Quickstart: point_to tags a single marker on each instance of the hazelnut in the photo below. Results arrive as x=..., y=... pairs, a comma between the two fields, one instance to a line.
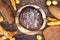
x=39, y=37
x=17, y=1
x=48, y=3
x=54, y=2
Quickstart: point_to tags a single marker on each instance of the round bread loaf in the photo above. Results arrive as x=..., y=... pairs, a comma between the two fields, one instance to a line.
x=55, y=11
x=52, y=33
x=31, y=18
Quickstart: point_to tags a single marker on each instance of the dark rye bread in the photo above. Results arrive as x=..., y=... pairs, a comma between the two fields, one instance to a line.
x=31, y=18
x=52, y=33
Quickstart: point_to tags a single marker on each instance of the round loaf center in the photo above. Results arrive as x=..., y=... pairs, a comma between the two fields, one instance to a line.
x=30, y=18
